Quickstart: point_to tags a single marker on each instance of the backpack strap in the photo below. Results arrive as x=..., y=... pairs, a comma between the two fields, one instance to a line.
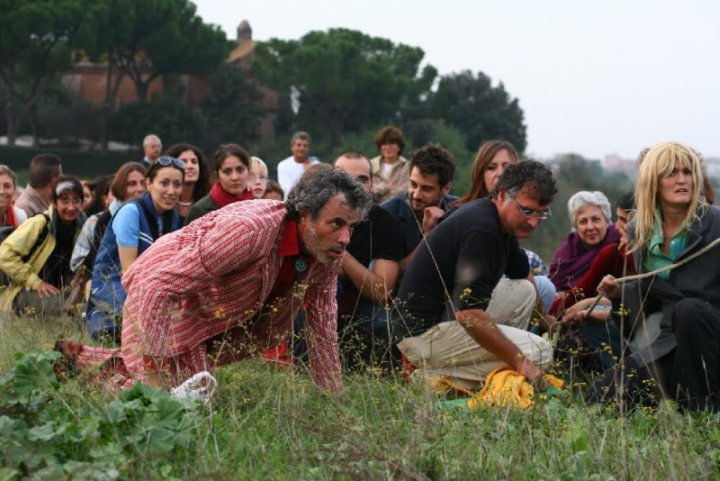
x=151, y=220
x=100, y=227
x=41, y=238
x=168, y=221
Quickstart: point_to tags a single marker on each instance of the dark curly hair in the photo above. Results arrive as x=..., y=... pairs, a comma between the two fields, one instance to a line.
x=529, y=174
x=432, y=159
x=313, y=191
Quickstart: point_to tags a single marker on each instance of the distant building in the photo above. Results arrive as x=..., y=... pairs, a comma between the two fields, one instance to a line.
x=713, y=167
x=89, y=80
x=615, y=163
x=242, y=56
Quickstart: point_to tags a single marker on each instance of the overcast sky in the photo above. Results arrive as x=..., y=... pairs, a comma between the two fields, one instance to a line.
x=594, y=78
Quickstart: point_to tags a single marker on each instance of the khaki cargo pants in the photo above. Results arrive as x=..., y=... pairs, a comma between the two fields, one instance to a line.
x=447, y=350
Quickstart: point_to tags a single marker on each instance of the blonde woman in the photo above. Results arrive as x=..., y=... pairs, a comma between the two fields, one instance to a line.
x=678, y=342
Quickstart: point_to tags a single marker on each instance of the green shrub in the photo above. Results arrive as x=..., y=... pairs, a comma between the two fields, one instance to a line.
x=81, y=163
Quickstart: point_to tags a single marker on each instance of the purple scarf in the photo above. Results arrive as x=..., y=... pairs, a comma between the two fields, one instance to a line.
x=573, y=258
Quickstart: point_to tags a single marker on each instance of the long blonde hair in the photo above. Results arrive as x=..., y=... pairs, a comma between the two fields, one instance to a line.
x=658, y=162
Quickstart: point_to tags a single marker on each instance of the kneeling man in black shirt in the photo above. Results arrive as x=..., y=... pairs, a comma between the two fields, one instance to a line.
x=458, y=316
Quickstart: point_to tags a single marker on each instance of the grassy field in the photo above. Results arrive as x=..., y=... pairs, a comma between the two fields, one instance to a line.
x=267, y=424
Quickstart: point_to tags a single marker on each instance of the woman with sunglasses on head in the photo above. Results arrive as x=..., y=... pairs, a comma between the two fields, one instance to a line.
x=197, y=176
x=232, y=167
x=133, y=229
x=35, y=258
x=127, y=184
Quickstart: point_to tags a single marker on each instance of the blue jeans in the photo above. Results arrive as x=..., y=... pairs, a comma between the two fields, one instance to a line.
x=546, y=291
x=604, y=339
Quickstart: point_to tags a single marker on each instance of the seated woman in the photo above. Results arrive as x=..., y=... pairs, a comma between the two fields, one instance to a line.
x=133, y=229
x=197, y=176
x=592, y=339
x=35, y=258
x=592, y=230
x=490, y=162
x=670, y=242
x=127, y=184
x=10, y=216
x=612, y=259
x=232, y=167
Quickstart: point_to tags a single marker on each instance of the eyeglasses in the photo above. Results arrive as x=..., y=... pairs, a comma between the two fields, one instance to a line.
x=527, y=212
x=166, y=161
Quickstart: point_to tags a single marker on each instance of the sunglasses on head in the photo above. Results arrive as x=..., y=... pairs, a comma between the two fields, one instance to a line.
x=166, y=161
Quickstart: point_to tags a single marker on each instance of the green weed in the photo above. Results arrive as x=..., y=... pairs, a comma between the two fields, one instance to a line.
x=269, y=424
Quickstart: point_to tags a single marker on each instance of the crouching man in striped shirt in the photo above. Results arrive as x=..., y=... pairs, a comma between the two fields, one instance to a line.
x=227, y=287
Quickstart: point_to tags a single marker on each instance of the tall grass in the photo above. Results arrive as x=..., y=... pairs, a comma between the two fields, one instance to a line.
x=269, y=424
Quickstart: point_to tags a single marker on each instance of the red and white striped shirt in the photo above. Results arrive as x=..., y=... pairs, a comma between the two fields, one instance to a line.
x=214, y=275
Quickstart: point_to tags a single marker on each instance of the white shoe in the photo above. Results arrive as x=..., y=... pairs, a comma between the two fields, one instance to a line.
x=201, y=386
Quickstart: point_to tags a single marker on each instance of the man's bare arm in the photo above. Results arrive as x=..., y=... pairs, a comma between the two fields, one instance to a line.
x=377, y=283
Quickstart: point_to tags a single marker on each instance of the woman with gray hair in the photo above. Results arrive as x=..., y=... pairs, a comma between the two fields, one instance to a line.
x=592, y=230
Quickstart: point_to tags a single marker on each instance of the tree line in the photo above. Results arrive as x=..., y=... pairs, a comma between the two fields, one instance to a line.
x=338, y=84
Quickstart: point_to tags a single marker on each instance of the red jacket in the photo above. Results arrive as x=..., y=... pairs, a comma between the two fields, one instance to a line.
x=610, y=260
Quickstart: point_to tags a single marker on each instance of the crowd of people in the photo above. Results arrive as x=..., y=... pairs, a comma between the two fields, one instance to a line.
x=176, y=266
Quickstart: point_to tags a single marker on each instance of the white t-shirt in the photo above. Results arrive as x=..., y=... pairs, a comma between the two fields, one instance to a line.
x=289, y=172
x=20, y=215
